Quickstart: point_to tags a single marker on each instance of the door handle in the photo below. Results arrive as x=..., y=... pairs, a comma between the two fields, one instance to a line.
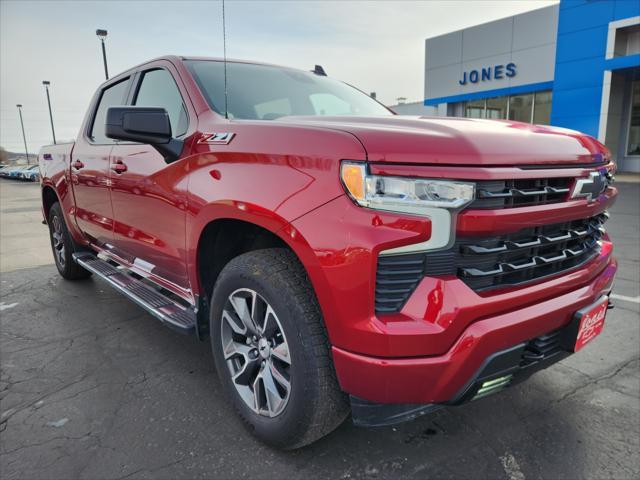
x=119, y=167
x=77, y=165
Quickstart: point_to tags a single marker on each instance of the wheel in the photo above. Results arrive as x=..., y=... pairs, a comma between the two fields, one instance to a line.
x=63, y=246
x=271, y=350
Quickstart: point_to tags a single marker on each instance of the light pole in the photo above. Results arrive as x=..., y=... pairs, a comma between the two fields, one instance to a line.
x=26, y=150
x=102, y=34
x=46, y=84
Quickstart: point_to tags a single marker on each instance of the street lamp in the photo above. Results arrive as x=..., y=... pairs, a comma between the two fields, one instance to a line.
x=26, y=150
x=102, y=34
x=46, y=84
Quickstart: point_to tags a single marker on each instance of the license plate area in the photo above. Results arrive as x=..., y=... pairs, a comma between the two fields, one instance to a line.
x=589, y=322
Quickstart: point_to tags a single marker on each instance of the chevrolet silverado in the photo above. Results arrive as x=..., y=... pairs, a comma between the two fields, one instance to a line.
x=341, y=259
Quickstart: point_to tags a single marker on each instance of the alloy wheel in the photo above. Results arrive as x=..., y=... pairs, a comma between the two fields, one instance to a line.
x=256, y=352
x=57, y=237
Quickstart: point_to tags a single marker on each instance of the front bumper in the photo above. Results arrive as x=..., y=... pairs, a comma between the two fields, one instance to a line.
x=452, y=377
x=429, y=350
x=499, y=370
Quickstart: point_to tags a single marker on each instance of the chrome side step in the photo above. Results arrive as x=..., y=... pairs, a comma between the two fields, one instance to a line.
x=162, y=307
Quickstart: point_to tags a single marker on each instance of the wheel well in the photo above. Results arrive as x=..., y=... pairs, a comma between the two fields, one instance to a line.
x=49, y=197
x=220, y=242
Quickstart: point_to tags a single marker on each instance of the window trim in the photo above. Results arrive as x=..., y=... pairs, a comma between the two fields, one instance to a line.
x=137, y=83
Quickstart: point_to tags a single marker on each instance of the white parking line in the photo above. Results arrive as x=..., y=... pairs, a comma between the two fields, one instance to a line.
x=624, y=298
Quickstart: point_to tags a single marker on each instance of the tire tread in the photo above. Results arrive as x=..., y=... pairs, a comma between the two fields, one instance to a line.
x=327, y=407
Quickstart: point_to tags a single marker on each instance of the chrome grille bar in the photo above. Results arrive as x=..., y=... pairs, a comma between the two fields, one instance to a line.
x=536, y=261
x=516, y=192
x=594, y=226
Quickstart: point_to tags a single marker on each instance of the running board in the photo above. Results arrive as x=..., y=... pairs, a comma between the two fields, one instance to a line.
x=160, y=306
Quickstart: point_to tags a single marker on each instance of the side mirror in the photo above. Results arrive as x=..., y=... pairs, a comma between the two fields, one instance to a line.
x=150, y=125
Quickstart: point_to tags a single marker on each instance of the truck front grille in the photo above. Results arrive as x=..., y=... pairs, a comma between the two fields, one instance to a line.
x=492, y=262
x=520, y=192
x=526, y=255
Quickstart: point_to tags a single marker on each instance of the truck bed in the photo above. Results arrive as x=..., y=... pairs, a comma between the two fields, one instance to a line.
x=54, y=159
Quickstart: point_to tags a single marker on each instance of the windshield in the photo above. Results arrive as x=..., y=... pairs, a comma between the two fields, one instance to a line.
x=263, y=92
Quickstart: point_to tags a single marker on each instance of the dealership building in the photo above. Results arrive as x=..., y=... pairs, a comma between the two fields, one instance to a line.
x=575, y=65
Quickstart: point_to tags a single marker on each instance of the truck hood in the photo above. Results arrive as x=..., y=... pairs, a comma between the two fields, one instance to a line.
x=462, y=141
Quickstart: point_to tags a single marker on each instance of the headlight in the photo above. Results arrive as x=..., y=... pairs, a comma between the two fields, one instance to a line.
x=438, y=200
x=401, y=194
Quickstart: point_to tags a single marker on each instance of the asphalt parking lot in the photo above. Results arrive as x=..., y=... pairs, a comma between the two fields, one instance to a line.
x=93, y=387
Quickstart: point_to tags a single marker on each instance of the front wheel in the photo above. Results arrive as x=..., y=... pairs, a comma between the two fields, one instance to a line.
x=271, y=350
x=62, y=246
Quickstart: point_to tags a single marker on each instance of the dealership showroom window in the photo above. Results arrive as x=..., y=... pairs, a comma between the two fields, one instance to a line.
x=571, y=64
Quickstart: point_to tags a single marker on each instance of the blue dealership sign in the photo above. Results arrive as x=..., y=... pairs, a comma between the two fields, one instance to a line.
x=495, y=72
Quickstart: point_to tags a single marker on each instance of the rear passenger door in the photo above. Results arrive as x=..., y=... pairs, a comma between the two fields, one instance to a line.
x=149, y=195
x=90, y=167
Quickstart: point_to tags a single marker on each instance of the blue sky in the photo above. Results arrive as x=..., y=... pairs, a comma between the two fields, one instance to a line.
x=374, y=45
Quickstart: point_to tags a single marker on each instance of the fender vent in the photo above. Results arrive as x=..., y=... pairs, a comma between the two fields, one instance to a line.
x=396, y=279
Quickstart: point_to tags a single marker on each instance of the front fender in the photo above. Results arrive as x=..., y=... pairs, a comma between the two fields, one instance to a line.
x=250, y=213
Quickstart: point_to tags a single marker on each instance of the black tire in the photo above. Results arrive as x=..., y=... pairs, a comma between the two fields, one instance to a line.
x=63, y=246
x=315, y=405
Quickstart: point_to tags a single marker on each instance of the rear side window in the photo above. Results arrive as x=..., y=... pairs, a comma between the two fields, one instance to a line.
x=111, y=97
x=158, y=89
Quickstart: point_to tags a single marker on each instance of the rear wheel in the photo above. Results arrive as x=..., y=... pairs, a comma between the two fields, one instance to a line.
x=271, y=349
x=63, y=246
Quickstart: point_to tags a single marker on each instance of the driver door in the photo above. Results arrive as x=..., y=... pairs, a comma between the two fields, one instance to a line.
x=148, y=194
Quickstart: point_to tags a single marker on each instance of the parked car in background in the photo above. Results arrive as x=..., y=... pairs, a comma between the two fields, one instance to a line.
x=6, y=170
x=21, y=172
x=12, y=171
x=30, y=174
x=340, y=258
x=17, y=171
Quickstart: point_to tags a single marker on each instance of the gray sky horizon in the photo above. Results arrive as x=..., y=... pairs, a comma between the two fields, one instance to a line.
x=373, y=45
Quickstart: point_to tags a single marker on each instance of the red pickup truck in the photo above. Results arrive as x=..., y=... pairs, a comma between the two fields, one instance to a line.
x=340, y=258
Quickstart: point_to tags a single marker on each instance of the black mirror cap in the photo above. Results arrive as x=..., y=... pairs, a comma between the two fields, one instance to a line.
x=138, y=124
x=148, y=125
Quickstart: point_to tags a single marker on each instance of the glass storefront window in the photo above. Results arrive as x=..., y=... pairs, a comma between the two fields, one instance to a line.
x=497, y=108
x=633, y=142
x=520, y=107
x=474, y=109
x=542, y=108
x=514, y=107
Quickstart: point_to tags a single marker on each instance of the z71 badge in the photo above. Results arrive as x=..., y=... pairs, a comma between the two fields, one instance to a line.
x=216, y=138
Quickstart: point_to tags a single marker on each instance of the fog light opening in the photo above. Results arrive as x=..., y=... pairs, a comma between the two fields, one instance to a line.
x=492, y=386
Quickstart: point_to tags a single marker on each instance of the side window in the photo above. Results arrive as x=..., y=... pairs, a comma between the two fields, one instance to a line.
x=111, y=97
x=158, y=89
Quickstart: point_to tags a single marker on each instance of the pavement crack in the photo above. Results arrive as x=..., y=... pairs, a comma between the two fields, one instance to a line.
x=596, y=380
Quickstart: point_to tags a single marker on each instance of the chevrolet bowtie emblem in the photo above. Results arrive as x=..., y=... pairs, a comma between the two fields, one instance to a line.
x=590, y=187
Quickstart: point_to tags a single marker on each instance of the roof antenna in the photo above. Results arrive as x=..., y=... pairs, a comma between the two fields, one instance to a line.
x=224, y=48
